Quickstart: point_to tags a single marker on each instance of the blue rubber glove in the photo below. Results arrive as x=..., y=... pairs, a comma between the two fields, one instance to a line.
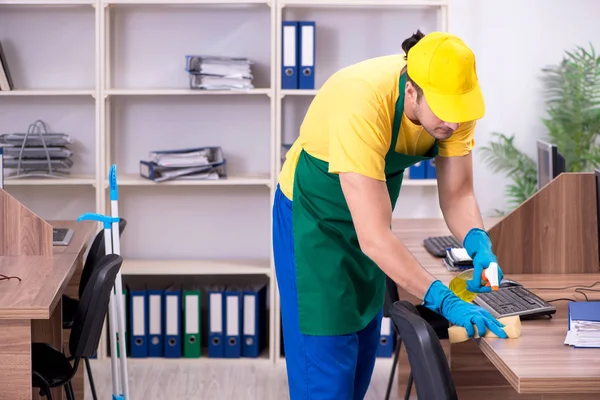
x=478, y=245
x=440, y=299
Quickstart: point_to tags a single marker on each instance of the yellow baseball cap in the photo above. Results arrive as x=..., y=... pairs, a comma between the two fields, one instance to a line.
x=444, y=67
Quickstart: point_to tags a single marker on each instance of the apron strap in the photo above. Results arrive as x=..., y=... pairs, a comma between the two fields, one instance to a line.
x=398, y=112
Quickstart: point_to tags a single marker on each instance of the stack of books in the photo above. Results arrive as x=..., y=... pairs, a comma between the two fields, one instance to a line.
x=457, y=260
x=189, y=164
x=219, y=73
x=36, y=153
x=584, y=324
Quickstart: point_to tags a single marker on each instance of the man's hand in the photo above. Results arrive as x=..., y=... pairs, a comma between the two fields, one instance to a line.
x=479, y=247
x=441, y=300
x=371, y=210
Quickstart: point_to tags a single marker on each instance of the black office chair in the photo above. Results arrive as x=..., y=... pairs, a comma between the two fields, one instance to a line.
x=51, y=367
x=69, y=304
x=428, y=363
x=438, y=323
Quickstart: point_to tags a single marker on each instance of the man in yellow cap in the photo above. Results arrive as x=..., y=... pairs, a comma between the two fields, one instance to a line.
x=333, y=207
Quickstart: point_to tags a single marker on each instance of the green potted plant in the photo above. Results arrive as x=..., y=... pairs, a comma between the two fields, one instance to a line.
x=572, y=92
x=503, y=156
x=573, y=107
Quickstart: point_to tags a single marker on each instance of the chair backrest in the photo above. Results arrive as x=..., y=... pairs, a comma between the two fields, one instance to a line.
x=93, y=305
x=391, y=295
x=97, y=251
x=426, y=357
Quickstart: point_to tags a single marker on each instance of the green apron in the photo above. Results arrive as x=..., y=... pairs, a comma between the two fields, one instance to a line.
x=340, y=289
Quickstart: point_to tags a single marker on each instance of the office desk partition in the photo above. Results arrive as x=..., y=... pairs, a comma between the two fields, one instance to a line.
x=31, y=310
x=537, y=366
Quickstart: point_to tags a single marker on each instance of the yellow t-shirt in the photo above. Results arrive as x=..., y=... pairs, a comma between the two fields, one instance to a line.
x=349, y=124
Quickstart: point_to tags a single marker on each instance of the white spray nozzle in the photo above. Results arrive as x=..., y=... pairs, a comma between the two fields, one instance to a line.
x=491, y=275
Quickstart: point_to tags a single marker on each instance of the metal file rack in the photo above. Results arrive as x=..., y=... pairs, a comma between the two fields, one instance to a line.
x=49, y=162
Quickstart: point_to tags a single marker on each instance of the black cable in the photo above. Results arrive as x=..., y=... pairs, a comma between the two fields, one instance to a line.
x=6, y=278
x=578, y=289
x=568, y=287
x=560, y=299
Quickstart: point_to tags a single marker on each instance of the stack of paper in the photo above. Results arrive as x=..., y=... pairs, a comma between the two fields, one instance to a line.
x=189, y=164
x=457, y=259
x=219, y=73
x=36, y=153
x=584, y=324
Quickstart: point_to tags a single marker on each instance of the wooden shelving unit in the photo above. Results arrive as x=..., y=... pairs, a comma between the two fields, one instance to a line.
x=127, y=94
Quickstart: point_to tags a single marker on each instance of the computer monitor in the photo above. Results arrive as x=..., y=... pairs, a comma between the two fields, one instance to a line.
x=550, y=163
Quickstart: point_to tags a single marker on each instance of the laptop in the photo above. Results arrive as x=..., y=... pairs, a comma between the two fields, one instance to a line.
x=62, y=236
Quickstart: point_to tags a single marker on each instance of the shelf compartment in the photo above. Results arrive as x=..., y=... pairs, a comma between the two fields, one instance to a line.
x=419, y=182
x=47, y=2
x=298, y=92
x=43, y=92
x=195, y=267
x=251, y=180
x=179, y=2
x=75, y=180
x=242, y=31
x=185, y=92
x=365, y=3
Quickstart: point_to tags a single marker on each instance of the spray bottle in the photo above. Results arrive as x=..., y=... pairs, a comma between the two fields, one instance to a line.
x=490, y=276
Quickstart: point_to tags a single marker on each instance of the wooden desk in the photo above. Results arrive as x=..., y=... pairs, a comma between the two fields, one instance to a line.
x=537, y=365
x=31, y=310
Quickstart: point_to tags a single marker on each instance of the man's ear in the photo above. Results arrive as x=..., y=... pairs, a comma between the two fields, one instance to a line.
x=410, y=93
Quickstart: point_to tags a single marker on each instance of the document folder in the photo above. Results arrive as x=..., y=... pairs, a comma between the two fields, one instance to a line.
x=289, y=55
x=233, y=313
x=386, y=338
x=190, y=164
x=155, y=322
x=430, y=172
x=215, y=322
x=306, y=77
x=139, y=322
x=417, y=171
x=192, y=321
x=172, y=326
x=255, y=306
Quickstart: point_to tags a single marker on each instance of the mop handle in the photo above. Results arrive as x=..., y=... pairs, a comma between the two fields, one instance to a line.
x=114, y=199
x=107, y=222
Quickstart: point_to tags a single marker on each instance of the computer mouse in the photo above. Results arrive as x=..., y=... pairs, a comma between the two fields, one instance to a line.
x=508, y=283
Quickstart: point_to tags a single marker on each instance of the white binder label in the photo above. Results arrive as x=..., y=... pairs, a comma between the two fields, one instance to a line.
x=233, y=316
x=289, y=46
x=172, y=311
x=249, y=315
x=216, y=313
x=308, y=44
x=386, y=326
x=154, y=314
x=138, y=316
x=192, y=325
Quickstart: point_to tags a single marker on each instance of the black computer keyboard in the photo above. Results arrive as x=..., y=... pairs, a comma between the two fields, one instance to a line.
x=515, y=300
x=437, y=245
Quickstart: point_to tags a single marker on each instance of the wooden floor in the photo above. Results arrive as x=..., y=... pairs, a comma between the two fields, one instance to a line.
x=215, y=380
